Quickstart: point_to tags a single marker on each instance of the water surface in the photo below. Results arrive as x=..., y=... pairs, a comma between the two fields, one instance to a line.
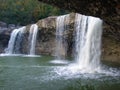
x=42, y=73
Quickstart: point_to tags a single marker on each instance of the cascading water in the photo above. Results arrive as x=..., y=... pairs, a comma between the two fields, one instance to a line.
x=14, y=42
x=61, y=45
x=32, y=38
x=88, y=42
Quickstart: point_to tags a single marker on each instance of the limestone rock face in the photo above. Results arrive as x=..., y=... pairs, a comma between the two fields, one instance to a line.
x=46, y=39
x=111, y=50
x=108, y=11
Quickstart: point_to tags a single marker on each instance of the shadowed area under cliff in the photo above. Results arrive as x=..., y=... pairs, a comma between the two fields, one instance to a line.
x=108, y=10
x=99, y=8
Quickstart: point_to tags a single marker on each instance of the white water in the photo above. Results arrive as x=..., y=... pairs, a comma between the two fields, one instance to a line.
x=32, y=38
x=14, y=43
x=61, y=45
x=88, y=42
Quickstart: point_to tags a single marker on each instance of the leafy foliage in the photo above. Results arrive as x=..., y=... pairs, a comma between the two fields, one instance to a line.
x=26, y=11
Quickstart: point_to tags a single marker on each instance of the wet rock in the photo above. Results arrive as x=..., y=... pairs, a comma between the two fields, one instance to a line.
x=46, y=39
x=5, y=31
x=108, y=11
x=11, y=26
x=3, y=24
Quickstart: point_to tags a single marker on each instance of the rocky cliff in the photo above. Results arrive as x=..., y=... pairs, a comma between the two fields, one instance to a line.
x=108, y=11
x=47, y=34
x=46, y=39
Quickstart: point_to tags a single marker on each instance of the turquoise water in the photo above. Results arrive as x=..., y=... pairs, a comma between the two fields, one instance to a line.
x=42, y=73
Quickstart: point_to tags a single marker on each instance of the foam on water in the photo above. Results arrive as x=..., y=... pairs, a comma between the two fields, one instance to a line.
x=60, y=62
x=31, y=56
x=3, y=55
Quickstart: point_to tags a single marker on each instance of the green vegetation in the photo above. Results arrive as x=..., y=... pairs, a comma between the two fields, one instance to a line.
x=26, y=11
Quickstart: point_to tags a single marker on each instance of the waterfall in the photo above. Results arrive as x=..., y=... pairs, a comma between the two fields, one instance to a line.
x=32, y=38
x=14, y=42
x=88, y=31
x=14, y=45
x=61, y=45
